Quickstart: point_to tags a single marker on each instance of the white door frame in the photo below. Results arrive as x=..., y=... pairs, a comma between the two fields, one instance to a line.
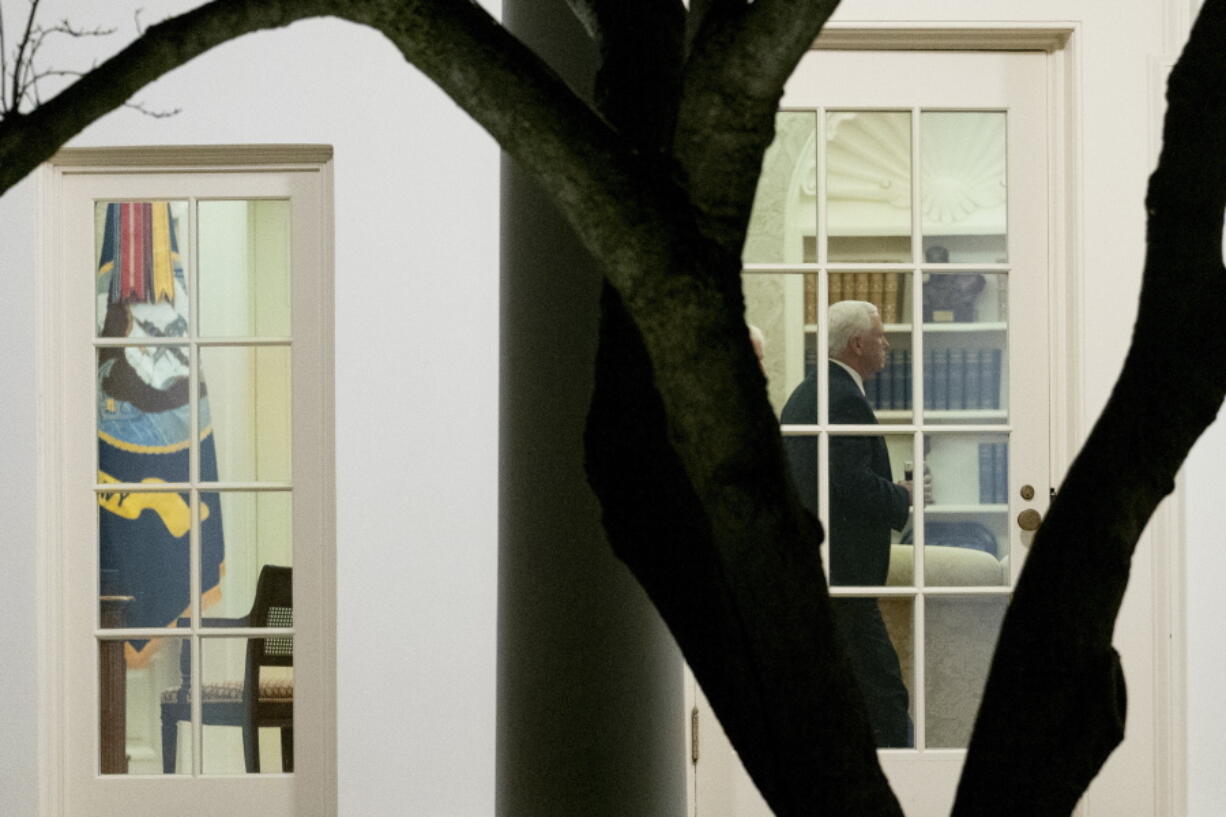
x=318, y=768
x=1060, y=40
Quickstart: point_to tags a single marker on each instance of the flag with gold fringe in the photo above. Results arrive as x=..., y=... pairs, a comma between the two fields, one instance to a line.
x=145, y=426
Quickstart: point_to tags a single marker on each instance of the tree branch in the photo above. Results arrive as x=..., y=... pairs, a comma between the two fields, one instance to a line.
x=26, y=140
x=642, y=46
x=4, y=69
x=772, y=670
x=623, y=205
x=742, y=592
x=682, y=289
x=1054, y=668
x=607, y=191
x=742, y=56
x=595, y=178
x=701, y=9
x=26, y=75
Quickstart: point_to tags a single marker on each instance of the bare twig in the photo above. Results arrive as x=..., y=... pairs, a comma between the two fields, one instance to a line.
x=31, y=81
x=19, y=80
x=31, y=76
x=20, y=57
x=4, y=68
x=156, y=114
x=66, y=27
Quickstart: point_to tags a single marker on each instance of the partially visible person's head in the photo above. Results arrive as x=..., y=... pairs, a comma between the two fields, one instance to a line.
x=758, y=340
x=856, y=336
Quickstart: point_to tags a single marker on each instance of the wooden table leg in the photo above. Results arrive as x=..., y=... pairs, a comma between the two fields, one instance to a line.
x=113, y=690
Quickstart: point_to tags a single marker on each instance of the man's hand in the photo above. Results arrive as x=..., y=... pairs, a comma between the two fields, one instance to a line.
x=910, y=486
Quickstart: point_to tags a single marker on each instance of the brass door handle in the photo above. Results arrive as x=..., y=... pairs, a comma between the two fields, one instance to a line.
x=1029, y=519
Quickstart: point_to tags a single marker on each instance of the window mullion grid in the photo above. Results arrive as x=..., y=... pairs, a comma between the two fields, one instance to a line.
x=898, y=428
x=197, y=650
x=919, y=660
x=916, y=281
x=193, y=372
x=970, y=590
x=931, y=429
x=821, y=342
x=213, y=487
x=147, y=633
x=917, y=506
x=264, y=340
x=1011, y=532
x=875, y=591
x=919, y=650
x=876, y=430
x=823, y=291
x=197, y=691
x=917, y=239
x=758, y=267
x=904, y=591
x=244, y=342
x=819, y=146
x=823, y=495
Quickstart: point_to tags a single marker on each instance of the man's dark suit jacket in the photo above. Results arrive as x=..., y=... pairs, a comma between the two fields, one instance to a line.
x=864, y=501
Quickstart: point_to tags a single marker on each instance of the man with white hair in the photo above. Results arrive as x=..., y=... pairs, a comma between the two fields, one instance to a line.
x=865, y=503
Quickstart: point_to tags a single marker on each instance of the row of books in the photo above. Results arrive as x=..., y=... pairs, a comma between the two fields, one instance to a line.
x=890, y=388
x=888, y=292
x=885, y=290
x=994, y=473
x=953, y=379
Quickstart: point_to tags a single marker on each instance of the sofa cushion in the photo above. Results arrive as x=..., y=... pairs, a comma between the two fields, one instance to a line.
x=946, y=567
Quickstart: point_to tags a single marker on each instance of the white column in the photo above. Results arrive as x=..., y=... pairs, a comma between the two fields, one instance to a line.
x=590, y=716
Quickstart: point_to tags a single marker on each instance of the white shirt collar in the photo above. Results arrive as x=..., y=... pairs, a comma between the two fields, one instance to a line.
x=854, y=374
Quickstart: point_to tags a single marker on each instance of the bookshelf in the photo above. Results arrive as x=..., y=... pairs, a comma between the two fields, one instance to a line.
x=964, y=339
x=954, y=346
x=964, y=379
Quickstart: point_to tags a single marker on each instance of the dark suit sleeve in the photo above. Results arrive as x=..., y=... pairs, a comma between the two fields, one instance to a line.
x=801, y=409
x=855, y=488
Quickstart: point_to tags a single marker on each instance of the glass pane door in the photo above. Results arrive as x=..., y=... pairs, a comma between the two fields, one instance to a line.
x=195, y=475
x=896, y=265
x=194, y=491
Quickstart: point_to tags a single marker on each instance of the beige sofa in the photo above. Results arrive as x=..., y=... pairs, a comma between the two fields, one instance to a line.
x=959, y=634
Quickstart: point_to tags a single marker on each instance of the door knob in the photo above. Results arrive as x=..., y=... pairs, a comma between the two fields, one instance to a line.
x=1029, y=519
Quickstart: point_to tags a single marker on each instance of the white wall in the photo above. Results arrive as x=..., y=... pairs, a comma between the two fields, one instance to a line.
x=1205, y=483
x=416, y=342
x=1204, y=556
x=18, y=535
x=416, y=205
x=1205, y=562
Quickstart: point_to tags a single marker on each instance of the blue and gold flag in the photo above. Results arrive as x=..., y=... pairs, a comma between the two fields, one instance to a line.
x=144, y=426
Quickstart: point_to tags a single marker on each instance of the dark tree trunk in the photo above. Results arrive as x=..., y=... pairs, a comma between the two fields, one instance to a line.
x=1055, y=702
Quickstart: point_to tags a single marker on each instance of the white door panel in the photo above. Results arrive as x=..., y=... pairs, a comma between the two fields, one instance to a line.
x=248, y=249
x=917, y=181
